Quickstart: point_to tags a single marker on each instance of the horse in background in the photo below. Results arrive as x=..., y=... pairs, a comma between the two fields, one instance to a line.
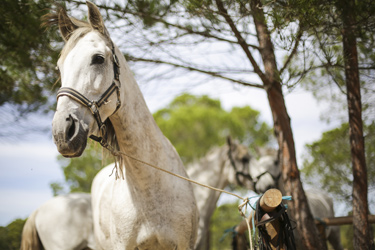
x=220, y=167
x=62, y=223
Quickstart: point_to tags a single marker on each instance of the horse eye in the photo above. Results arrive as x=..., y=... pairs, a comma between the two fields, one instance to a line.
x=97, y=59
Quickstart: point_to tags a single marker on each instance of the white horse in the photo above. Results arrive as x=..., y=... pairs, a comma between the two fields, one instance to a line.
x=220, y=167
x=62, y=223
x=144, y=208
x=266, y=174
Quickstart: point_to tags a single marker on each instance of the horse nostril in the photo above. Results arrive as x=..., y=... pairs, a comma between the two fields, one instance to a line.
x=71, y=127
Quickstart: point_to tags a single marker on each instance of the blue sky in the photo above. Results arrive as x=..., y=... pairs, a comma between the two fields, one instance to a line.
x=27, y=167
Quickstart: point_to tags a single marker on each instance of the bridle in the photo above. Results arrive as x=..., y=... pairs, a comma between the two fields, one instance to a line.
x=238, y=172
x=256, y=179
x=94, y=106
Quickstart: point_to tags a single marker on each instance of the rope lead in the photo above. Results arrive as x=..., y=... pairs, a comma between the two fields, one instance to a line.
x=240, y=207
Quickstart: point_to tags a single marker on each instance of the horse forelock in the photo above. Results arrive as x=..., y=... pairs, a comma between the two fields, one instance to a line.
x=243, y=152
x=73, y=40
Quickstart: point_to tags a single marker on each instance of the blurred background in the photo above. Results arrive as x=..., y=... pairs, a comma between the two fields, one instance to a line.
x=200, y=86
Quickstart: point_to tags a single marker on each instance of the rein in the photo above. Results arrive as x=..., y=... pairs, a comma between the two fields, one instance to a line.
x=94, y=106
x=120, y=153
x=245, y=201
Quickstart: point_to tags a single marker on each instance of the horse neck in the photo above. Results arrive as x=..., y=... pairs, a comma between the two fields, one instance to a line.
x=137, y=133
x=210, y=170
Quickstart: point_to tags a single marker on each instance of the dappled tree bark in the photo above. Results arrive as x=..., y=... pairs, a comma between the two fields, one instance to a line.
x=362, y=237
x=299, y=208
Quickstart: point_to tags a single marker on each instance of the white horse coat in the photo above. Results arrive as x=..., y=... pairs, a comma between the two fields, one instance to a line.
x=144, y=208
x=62, y=223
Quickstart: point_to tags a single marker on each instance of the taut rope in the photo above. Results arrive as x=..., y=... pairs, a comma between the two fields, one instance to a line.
x=240, y=207
x=118, y=153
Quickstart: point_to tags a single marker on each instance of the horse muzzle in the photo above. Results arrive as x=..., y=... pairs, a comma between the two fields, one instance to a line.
x=69, y=135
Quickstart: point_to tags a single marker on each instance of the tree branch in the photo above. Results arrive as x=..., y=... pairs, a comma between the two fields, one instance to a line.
x=294, y=51
x=223, y=12
x=329, y=64
x=190, y=68
x=205, y=34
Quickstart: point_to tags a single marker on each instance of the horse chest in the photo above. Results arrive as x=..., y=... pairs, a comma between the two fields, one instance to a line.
x=145, y=217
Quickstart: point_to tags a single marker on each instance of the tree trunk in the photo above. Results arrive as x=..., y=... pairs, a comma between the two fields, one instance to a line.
x=362, y=238
x=299, y=208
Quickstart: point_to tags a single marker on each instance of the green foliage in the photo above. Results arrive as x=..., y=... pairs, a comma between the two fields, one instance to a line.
x=57, y=188
x=27, y=58
x=149, y=9
x=330, y=159
x=319, y=62
x=10, y=236
x=225, y=217
x=346, y=232
x=194, y=124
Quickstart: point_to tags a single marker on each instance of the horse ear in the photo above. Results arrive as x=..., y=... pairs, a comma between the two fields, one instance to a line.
x=229, y=140
x=96, y=19
x=66, y=25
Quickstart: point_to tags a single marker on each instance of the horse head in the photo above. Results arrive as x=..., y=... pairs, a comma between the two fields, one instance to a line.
x=89, y=72
x=265, y=172
x=239, y=158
